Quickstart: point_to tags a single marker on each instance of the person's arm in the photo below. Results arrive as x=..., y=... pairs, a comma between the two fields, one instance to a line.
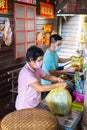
x=62, y=60
x=59, y=72
x=42, y=88
x=52, y=78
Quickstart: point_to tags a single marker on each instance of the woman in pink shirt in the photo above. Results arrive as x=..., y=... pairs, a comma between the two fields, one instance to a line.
x=29, y=80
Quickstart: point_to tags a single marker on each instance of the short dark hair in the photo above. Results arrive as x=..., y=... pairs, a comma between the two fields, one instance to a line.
x=33, y=53
x=55, y=38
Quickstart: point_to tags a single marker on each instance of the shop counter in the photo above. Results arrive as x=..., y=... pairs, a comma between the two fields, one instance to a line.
x=69, y=122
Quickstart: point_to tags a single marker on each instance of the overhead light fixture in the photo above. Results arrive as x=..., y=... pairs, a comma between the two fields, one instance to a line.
x=66, y=14
x=59, y=11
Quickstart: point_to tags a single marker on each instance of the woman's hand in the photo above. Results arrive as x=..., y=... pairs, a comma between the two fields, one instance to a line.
x=62, y=84
x=60, y=80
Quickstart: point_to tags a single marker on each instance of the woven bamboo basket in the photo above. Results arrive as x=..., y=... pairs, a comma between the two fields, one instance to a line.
x=29, y=119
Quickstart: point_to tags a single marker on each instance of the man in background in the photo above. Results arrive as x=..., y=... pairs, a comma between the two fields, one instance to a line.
x=51, y=60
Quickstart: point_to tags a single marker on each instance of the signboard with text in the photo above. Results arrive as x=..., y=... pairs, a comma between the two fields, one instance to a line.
x=27, y=1
x=3, y=7
x=46, y=10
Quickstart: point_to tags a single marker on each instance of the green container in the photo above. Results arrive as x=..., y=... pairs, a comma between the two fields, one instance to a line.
x=77, y=106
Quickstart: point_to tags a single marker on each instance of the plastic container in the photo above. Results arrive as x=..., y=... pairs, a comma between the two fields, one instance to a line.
x=77, y=106
x=79, y=97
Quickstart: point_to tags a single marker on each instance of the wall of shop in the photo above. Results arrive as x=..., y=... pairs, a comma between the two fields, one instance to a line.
x=8, y=62
x=70, y=31
x=41, y=21
x=7, y=58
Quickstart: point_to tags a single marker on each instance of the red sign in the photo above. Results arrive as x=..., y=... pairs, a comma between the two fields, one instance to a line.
x=27, y=1
x=46, y=10
x=3, y=6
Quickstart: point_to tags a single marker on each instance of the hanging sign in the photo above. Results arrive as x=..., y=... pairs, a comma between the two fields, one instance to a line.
x=46, y=10
x=3, y=7
x=27, y=1
x=7, y=37
x=39, y=38
x=47, y=28
x=46, y=39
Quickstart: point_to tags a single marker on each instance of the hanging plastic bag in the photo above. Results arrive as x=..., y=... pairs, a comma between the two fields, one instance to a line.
x=77, y=62
x=79, y=82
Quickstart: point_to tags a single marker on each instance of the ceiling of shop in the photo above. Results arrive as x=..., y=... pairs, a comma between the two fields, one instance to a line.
x=71, y=7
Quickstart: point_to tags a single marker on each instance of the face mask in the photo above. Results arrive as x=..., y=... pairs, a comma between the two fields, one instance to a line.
x=38, y=64
x=58, y=48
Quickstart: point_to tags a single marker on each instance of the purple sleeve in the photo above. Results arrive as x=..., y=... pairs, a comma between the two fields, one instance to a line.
x=42, y=73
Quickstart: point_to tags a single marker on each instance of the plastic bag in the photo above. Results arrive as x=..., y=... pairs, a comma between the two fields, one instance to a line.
x=79, y=82
x=59, y=101
x=77, y=62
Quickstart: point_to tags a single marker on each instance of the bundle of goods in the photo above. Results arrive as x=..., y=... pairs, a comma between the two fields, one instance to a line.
x=59, y=101
x=79, y=87
x=77, y=62
x=79, y=97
